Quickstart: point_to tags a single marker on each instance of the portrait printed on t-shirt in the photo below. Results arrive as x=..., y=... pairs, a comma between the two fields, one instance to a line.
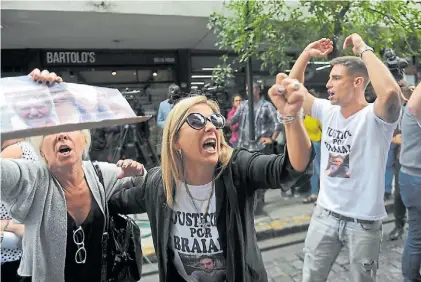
x=338, y=166
x=204, y=268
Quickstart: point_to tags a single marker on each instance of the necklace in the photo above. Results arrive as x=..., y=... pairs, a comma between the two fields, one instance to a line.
x=203, y=223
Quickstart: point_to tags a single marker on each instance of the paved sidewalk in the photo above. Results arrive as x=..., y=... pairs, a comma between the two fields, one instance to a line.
x=282, y=217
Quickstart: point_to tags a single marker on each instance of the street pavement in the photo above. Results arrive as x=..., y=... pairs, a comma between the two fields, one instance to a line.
x=284, y=262
x=281, y=217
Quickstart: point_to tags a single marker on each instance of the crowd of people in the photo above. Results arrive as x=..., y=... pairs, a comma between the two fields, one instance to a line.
x=202, y=198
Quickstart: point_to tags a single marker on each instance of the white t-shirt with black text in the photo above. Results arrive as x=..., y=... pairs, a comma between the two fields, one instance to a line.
x=198, y=256
x=353, y=161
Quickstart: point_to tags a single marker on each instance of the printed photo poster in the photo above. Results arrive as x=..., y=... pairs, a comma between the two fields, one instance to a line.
x=338, y=145
x=26, y=105
x=29, y=108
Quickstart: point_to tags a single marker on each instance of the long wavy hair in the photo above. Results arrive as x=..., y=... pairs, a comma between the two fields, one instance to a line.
x=171, y=162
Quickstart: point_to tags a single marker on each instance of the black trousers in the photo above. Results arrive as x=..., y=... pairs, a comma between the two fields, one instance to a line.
x=9, y=271
x=260, y=193
x=399, y=209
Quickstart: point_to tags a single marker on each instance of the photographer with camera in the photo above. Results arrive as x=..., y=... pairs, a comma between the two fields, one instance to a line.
x=166, y=105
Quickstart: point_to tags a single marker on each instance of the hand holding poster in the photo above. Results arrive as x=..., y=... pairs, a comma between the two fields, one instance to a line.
x=31, y=109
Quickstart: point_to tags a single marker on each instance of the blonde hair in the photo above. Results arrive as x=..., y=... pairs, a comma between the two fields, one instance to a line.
x=36, y=142
x=171, y=162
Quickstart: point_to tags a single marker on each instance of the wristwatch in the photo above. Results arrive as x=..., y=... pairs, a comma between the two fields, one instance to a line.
x=365, y=48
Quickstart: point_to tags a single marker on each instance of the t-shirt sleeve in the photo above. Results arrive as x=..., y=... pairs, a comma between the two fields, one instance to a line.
x=320, y=106
x=386, y=127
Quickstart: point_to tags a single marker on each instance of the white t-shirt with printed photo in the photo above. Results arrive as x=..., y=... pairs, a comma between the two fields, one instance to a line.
x=353, y=161
x=198, y=256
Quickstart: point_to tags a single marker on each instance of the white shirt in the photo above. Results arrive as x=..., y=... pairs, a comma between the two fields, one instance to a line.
x=189, y=242
x=353, y=161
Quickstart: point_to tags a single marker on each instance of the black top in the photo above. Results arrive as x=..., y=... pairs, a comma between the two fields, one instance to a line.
x=90, y=271
x=234, y=191
x=93, y=227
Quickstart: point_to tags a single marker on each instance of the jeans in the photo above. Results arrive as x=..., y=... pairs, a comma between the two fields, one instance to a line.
x=315, y=179
x=326, y=236
x=390, y=168
x=399, y=209
x=411, y=197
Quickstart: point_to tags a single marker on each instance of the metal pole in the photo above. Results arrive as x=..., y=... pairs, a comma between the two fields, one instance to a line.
x=249, y=74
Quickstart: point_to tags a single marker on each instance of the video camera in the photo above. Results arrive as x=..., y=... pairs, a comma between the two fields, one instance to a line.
x=175, y=94
x=211, y=91
x=395, y=64
x=218, y=94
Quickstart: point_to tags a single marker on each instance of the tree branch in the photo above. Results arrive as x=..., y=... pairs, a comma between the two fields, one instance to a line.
x=385, y=15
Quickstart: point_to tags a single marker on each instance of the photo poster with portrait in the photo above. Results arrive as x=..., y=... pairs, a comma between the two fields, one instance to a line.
x=31, y=109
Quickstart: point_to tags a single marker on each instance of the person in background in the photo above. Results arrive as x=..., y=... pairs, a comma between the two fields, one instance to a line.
x=399, y=209
x=10, y=229
x=410, y=184
x=314, y=130
x=235, y=128
x=165, y=107
x=267, y=128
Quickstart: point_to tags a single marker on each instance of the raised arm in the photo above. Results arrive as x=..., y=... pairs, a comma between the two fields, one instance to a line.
x=288, y=97
x=19, y=180
x=388, y=103
x=414, y=103
x=315, y=49
x=256, y=170
x=11, y=152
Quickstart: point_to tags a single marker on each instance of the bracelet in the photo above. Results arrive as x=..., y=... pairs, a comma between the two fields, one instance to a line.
x=289, y=119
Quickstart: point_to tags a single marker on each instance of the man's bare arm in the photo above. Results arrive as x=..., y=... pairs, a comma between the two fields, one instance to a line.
x=414, y=103
x=297, y=72
x=315, y=49
x=388, y=102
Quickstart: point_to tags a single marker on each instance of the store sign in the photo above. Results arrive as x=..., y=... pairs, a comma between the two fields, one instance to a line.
x=65, y=58
x=164, y=60
x=106, y=58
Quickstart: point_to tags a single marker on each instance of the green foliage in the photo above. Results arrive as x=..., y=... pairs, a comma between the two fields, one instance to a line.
x=267, y=29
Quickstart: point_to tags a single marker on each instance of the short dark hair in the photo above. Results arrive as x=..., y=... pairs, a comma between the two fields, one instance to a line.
x=206, y=257
x=354, y=65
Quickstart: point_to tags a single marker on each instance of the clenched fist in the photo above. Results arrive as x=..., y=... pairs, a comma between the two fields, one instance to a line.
x=288, y=95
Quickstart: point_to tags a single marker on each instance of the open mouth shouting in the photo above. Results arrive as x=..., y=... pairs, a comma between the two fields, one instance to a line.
x=210, y=145
x=64, y=150
x=331, y=94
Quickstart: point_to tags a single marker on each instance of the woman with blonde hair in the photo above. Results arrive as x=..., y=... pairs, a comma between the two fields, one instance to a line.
x=200, y=201
x=62, y=203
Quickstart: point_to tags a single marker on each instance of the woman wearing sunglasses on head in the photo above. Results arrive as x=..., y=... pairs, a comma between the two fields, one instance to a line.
x=200, y=201
x=61, y=201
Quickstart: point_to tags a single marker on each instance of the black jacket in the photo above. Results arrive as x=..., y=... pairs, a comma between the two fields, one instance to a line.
x=234, y=191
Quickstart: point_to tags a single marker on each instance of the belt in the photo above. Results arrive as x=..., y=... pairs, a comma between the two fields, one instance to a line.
x=346, y=218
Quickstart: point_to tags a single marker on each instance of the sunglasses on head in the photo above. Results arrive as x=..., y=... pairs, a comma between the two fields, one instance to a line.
x=198, y=121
